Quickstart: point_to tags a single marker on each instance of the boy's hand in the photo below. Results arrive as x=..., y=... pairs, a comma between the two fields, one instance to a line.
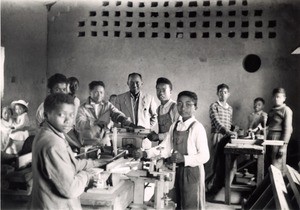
x=137, y=154
x=153, y=136
x=176, y=157
x=101, y=124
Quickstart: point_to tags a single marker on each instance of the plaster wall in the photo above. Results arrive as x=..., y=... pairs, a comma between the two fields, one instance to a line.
x=24, y=37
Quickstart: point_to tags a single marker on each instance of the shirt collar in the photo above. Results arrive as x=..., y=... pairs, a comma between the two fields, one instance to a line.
x=57, y=132
x=168, y=103
x=225, y=106
x=136, y=95
x=186, y=123
x=91, y=102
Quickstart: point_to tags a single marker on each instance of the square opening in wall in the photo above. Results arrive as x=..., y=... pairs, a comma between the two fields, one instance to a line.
x=231, y=34
x=93, y=13
x=206, y=3
x=258, y=35
x=141, y=34
x=128, y=34
x=179, y=14
x=245, y=12
x=231, y=24
x=258, y=24
x=219, y=24
x=117, y=23
x=129, y=14
x=193, y=35
x=244, y=3
x=105, y=3
x=205, y=24
x=192, y=14
x=93, y=23
x=154, y=25
x=244, y=35
x=105, y=23
x=245, y=24
x=272, y=35
x=205, y=35
x=141, y=4
x=166, y=15
x=167, y=35
x=166, y=4
x=105, y=13
x=154, y=34
x=219, y=13
x=180, y=24
x=231, y=2
x=117, y=13
x=154, y=14
x=206, y=13
x=117, y=33
x=231, y=13
x=129, y=4
x=141, y=24
x=193, y=24
x=218, y=35
x=167, y=24
x=179, y=35
x=118, y=3
x=81, y=34
x=141, y=14
x=258, y=12
x=154, y=4
x=178, y=4
x=81, y=23
x=219, y=3
x=93, y=33
x=193, y=4
x=272, y=24
x=128, y=24
x=105, y=33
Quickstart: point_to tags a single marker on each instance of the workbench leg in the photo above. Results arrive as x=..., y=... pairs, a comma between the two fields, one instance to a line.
x=139, y=188
x=260, y=168
x=227, y=178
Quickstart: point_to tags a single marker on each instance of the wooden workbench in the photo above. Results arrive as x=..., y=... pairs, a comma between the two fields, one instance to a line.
x=117, y=199
x=230, y=165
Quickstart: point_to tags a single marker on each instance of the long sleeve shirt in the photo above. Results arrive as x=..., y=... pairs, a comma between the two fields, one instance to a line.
x=280, y=119
x=197, y=146
x=221, y=117
x=58, y=178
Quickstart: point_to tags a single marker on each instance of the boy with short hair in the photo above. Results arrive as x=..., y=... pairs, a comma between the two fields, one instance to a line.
x=220, y=113
x=257, y=118
x=167, y=111
x=58, y=177
x=187, y=146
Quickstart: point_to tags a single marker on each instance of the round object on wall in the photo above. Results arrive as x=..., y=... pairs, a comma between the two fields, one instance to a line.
x=251, y=63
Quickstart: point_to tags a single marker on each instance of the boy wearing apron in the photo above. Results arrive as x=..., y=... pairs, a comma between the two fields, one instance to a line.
x=167, y=111
x=186, y=145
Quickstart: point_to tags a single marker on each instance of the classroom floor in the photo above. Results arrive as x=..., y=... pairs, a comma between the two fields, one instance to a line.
x=217, y=203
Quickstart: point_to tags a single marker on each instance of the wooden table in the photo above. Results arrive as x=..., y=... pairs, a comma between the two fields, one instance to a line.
x=113, y=199
x=230, y=165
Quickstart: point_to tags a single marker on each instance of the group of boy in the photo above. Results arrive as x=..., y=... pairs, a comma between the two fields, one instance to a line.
x=182, y=137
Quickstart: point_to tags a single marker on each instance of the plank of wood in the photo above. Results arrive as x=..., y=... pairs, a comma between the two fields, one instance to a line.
x=294, y=177
x=24, y=160
x=279, y=189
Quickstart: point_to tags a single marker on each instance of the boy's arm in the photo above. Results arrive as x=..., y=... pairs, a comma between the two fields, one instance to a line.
x=199, y=139
x=82, y=120
x=61, y=173
x=214, y=116
x=287, y=125
x=116, y=115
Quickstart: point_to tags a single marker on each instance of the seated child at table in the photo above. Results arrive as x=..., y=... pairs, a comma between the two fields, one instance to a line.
x=6, y=126
x=58, y=177
x=187, y=146
x=258, y=117
x=20, y=125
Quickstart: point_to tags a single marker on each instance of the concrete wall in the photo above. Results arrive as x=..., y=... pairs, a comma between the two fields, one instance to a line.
x=24, y=36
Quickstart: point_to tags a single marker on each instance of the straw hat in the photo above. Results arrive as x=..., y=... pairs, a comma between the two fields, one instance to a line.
x=22, y=102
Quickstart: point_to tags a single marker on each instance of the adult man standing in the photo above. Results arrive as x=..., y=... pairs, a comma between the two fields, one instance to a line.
x=139, y=106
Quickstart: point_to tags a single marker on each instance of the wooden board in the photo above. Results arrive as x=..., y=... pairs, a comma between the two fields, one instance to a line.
x=294, y=181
